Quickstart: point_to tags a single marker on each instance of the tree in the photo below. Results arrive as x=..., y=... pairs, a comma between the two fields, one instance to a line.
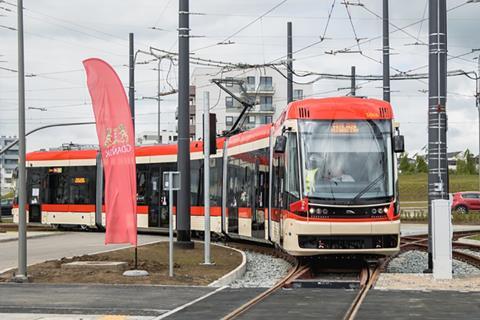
x=405, y=166
x=469, y=162
x=421, y=165
x=461, y=167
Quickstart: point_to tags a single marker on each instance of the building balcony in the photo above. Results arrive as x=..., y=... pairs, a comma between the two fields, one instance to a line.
x=192, y=128
x=263, y=109
x=261, y=89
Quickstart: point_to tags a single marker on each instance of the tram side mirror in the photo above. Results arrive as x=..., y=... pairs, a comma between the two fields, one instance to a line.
x=398, y=144
x=280, y=144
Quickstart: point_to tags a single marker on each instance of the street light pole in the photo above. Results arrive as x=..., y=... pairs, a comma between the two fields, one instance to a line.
x=386, y=53
x=477, y=95
x=183, y=195
x=437, y=112
x=21, y=275
x=158, y=100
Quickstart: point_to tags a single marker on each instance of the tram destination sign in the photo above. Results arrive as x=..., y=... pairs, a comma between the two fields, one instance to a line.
x=174, y=184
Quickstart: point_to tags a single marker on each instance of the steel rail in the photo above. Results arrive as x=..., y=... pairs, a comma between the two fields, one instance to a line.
x=296, y=270
x=362, y=293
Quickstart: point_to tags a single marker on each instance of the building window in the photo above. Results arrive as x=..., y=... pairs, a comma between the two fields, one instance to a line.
x=266, y=103
x=228, y=121
x=250, y=83
x=266, y=83
x=229, y=102
x=298, y=94
x=267, y=119
x=229, y=81
x=251, y=119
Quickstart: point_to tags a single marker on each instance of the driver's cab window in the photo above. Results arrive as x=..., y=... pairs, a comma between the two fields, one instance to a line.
x=292, y=168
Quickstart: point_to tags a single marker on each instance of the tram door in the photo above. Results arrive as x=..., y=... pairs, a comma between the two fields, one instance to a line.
x=232, y=200
x=34, y=187
x=154, y=198
x=158, y=205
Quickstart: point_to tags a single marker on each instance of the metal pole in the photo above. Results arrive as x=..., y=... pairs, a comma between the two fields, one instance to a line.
x=8, y=147
x=22, y=187
x=183, y=196
x=289, y=64
x=170, y=224
x=206, y=171
x=386, y=53
x=131, y=85
x=478, y=108
x=352, y=83
x=158, y=102
x=1, y=177
x=437, y=117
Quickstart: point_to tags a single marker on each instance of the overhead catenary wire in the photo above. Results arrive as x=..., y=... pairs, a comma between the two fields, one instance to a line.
x=242, y=28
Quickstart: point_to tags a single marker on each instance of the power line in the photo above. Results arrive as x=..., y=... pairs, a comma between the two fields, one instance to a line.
x=242, y=28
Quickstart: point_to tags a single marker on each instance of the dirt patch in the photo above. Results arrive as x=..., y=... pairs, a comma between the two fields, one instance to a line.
x=188, y=269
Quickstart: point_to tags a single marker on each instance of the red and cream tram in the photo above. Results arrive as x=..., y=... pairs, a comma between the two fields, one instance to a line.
x=320, y=180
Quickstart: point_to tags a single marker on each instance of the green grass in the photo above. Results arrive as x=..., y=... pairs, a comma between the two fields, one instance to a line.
x=477, y=237
x=413, y=187
x=414, y=195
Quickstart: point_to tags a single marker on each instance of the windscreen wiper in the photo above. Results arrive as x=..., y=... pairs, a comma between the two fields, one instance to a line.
x=364, y=190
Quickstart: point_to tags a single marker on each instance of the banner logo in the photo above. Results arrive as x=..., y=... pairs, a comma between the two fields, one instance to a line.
x=116, y=141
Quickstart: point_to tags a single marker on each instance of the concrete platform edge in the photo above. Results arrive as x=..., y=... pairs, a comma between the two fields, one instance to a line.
x=233, y=275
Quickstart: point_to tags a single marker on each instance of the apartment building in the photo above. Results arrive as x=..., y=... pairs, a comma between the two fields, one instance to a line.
x=266, y=88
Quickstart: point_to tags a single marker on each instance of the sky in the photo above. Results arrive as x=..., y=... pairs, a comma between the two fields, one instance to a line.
x=59, y=35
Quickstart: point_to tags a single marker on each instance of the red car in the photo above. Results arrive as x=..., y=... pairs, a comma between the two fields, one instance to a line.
x=465, y=201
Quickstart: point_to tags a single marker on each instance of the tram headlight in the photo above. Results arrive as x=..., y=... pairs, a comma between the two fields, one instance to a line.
x=311, y=210
x=318, y=211
x=374, y=211
x=325, y=211
x=385, y=210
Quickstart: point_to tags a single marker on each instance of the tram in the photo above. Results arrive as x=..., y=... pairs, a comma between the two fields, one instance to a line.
x=320, y=180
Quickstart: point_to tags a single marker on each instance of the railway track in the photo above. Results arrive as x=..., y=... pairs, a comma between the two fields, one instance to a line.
x=420, y=242
x=303, y=273
x=306, y=274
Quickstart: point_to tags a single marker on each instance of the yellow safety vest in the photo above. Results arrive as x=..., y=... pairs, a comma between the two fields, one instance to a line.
x=310, y=180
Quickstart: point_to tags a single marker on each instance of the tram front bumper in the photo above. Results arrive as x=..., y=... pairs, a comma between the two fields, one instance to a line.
x=303, y=238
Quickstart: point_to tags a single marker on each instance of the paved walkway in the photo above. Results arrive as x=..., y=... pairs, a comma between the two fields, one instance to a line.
x=66, y=244
x=13, y=235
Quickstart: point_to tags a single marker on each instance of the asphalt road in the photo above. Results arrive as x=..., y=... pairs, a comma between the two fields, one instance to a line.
x=62, y=245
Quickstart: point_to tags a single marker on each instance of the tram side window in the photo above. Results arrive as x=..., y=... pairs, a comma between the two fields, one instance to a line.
x=82, y=185
x=196, y=182
x=292, y=168
x=142, y=172
x=216, y=181
x=241, y=170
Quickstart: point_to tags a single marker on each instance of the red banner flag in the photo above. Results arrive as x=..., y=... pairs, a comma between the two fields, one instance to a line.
x=117, y=145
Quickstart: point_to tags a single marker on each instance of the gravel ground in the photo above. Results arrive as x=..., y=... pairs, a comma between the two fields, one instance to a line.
x=415, y=261
x=406, y=273
x=263, y=271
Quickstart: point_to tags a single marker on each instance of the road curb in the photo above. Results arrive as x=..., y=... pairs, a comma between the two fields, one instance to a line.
x=233, y=275
x=33, y=237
